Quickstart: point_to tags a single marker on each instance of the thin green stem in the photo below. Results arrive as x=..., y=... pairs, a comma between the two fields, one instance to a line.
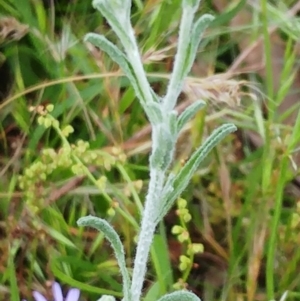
x=274, y=228
x=267, y=51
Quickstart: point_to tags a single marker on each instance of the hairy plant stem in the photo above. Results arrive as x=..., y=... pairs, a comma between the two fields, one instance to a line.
x=148, y=225
x=165, y=126
x=133, y=56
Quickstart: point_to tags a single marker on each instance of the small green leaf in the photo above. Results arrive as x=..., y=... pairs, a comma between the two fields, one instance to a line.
x=112, y=236
x=112, y=50
x=182, y=179
x=180, y=296
x=197, y=32
x=189, y=113
x=117, y=56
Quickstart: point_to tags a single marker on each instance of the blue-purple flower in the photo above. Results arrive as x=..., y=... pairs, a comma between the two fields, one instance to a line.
x=72, y=295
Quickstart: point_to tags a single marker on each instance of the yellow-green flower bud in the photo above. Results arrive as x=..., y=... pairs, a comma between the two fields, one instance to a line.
x=197, y=248
x=187, y=217
x=184, y=262
x=48, y=122
x=138, y=185
x=111, y=212
x=184, y=236
x=55, y=123
x=177, y=230
x=50, y=107
x=181, y=203
x=67, y=130
x=41, y=120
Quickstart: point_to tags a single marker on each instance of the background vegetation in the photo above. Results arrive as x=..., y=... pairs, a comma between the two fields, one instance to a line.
x=244, y=201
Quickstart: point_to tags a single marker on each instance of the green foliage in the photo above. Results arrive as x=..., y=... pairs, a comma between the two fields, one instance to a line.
x=53, y=64
x=114, y=239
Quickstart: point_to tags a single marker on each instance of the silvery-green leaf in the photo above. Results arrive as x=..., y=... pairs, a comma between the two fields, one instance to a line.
x=117, y=18
x=182, y=179
x=178, y=75
x=107, y=298
x=168, y=187
x=155, y=112
x=197, y=32
x=191, y=3
x=113, y=51
x=173, y=123
x=189, y=113
x=112, y=236
x=117, y=56
x=182, y=58
x=118, y=6
x=163, y=147
x=180, y=296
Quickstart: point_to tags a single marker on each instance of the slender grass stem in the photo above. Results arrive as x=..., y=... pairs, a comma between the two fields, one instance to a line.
x=274, y=228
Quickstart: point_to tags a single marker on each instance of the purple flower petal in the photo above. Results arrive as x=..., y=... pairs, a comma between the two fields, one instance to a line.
x=56, y=291
x=73, y=294
x=38, y=296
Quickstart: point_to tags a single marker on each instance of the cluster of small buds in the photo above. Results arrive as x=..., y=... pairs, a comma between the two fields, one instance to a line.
x=181, y=233
x=42, y=110
x=74, y=157
x=182, y=211
x=183, y=236
x=44, y=118
x=185, y=262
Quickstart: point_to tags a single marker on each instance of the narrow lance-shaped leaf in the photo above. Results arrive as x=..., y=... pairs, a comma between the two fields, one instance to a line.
x=197, y=32
x=227, y=16
x=189, y=113
x=113, y=51
x=117, y=56
x=180, y=296
x=182, y=179
x=112, y=236
x=123, y=6
x=118, y=19
x=178, y=73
